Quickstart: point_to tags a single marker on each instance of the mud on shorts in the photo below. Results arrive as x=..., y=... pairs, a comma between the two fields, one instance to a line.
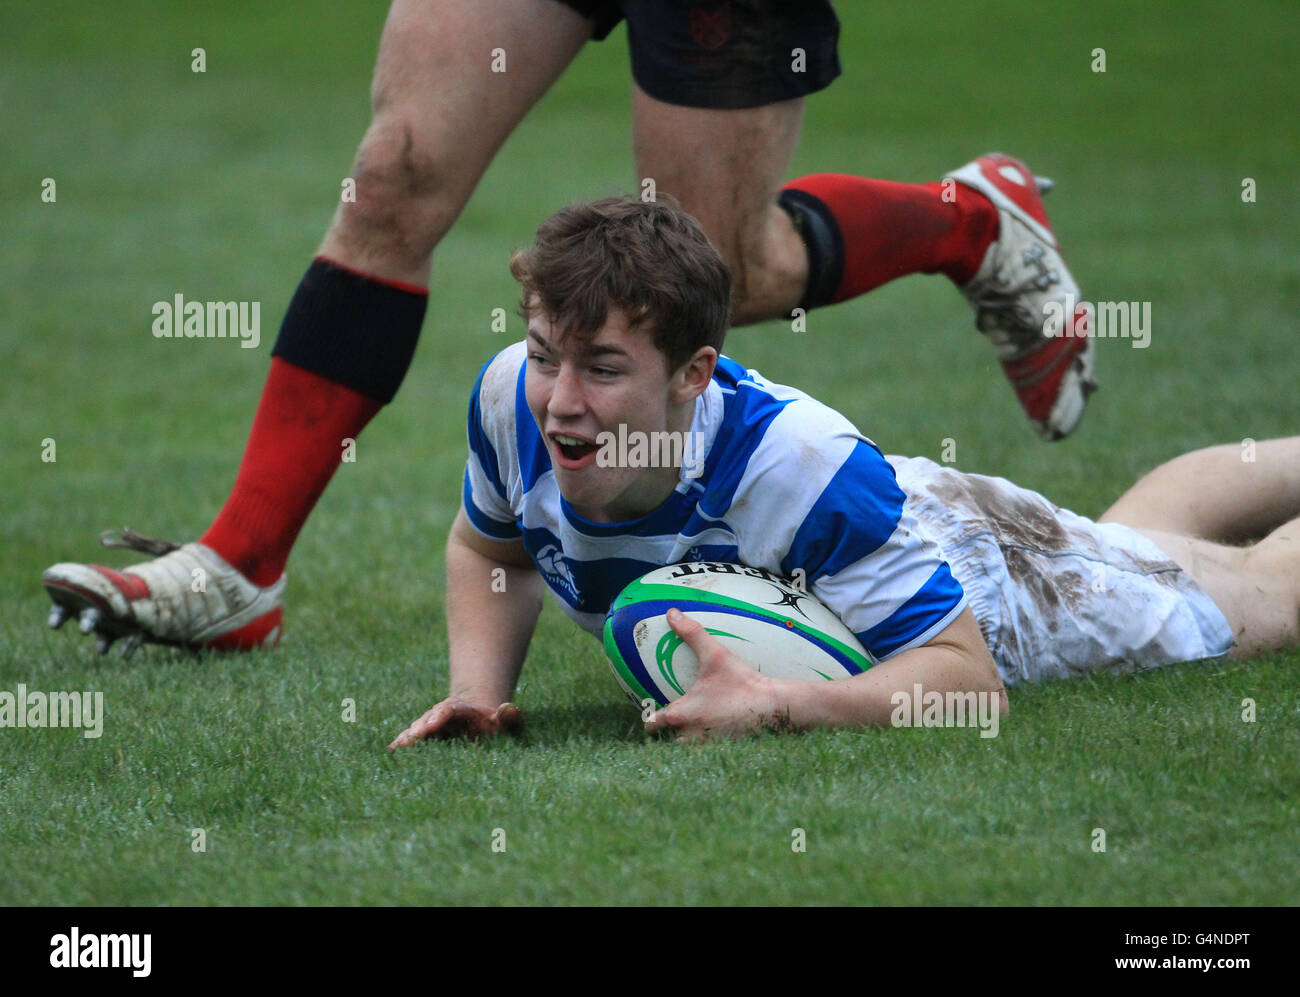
x=1056, y=594
x=723, y=53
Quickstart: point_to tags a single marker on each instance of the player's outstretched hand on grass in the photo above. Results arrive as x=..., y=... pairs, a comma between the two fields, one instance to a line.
x=729, y=697
x=456, y=717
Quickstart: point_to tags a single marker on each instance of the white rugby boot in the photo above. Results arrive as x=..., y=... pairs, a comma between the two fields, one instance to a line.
x=188, y=597
x=1027, y=302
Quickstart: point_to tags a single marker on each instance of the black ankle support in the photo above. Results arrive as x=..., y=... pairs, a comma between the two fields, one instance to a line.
x=358, y=332
x=821, y=236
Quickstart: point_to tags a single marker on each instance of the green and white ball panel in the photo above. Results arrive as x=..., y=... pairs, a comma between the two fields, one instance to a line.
x=773, y=625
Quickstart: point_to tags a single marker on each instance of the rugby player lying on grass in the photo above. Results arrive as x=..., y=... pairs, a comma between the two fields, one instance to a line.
x=958, y=582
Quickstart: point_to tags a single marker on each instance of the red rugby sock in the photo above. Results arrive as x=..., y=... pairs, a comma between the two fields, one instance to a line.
x=293, y=449
x=893, y=229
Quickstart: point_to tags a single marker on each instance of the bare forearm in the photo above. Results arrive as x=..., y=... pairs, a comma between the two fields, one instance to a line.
x=960, y=663
x=492, y=609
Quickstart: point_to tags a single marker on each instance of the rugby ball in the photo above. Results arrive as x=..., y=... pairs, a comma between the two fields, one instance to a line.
x=767, y=620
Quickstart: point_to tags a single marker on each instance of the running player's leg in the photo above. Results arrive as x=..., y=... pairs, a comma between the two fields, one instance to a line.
x=442, y=105
x=716, y=112
x=1226, y=494
x=725, y=167
x=440, y=112
x=716, y=115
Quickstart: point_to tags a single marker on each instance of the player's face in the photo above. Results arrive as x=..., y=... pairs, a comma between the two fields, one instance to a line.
x=618, y=383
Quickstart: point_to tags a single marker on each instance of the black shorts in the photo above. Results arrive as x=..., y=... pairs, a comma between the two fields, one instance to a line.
x=723, y=53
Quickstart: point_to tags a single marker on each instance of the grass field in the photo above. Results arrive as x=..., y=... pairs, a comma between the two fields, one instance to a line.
x=218, y=186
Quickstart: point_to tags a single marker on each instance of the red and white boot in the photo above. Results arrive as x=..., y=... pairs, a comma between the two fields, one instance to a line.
x=188, y=597
x=1027, y=302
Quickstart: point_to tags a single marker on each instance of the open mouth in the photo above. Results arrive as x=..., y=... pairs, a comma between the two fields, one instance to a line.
x=572, y=449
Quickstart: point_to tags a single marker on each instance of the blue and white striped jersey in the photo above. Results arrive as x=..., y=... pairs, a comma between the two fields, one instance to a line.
x=786, y=484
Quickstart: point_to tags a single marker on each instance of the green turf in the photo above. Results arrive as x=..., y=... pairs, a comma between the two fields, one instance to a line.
x=219, y=185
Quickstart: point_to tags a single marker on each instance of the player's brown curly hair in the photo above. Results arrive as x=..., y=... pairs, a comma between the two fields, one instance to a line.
x=651, y=260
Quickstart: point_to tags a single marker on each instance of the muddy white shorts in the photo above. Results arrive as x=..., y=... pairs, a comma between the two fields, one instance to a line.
x=1057, y=594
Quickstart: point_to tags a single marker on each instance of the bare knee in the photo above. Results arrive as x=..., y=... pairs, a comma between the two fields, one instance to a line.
x=1276, y=561
x=1216, y=493
x=402, y=204
x=1182, y=496
x=1273, y=616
